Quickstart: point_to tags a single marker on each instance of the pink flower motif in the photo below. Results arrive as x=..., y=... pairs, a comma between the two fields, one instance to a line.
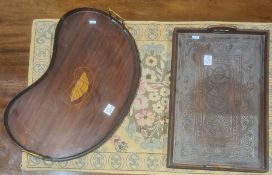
x=154, y=86
x=142, y=85
x=140, y=102
x=145, y=118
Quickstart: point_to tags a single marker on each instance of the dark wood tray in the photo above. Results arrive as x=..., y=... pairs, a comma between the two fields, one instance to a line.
x=85, y=93
x=219, y=100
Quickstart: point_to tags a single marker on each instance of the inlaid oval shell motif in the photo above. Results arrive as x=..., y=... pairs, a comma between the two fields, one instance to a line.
x=80, y=88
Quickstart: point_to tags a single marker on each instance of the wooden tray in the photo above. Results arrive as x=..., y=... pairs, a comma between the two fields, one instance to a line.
x=219, y=100
x=85, y=93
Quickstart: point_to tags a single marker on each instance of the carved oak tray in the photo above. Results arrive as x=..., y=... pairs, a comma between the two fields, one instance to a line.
x=85, y=93
x=219, y=100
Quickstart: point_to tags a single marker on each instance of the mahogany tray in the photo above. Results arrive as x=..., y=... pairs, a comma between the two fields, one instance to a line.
x=219, y=100
x=85, y=93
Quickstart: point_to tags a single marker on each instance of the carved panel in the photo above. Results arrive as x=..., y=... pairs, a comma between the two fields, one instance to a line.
x=217, y=101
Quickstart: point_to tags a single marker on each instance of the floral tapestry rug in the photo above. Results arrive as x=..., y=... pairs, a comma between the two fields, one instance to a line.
x=139, y=145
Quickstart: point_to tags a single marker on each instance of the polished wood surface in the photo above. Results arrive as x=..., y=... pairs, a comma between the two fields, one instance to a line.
x=219, y=100
x=85, y=93
x=16, y=17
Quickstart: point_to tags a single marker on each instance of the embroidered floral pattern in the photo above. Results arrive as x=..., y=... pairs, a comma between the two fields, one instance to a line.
x=140, y=142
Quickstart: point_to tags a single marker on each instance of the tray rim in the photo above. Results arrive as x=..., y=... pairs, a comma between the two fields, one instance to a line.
x=263, y=126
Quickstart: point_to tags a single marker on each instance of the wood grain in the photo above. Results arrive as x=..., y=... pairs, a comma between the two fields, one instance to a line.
x=85, y=93
x=16, y=17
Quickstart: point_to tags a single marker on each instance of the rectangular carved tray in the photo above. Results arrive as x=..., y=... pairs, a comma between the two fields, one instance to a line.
x=219, y=100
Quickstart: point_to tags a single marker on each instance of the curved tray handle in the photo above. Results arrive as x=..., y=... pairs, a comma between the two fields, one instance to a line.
x=113, y=14
x=222, y=29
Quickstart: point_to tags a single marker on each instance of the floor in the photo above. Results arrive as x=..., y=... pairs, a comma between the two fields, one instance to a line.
x=15, y=25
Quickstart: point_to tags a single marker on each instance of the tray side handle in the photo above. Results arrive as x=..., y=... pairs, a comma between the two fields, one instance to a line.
x=222, y=29
x=115, y=15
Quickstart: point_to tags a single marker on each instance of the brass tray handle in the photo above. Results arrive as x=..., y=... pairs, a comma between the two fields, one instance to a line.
x=117, y=16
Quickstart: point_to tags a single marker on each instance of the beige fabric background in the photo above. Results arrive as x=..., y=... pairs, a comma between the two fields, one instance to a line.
x=139, y=145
